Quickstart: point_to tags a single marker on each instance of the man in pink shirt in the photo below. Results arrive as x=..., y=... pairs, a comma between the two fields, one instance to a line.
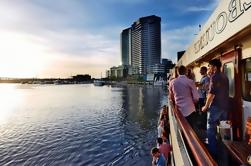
x=184, y=94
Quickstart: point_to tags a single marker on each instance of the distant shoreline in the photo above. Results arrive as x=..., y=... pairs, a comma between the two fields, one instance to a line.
x=44, y=81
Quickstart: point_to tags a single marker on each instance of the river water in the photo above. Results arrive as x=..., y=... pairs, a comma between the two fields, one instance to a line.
x=78, y=124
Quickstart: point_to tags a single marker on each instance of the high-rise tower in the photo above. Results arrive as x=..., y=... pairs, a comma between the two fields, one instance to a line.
x=125, y=41
x=146, y=43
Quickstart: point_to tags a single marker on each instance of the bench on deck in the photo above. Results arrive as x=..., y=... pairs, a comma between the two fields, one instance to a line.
x=239, y=150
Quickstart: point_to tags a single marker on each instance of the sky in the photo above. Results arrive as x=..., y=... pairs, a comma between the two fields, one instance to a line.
x=62, y=38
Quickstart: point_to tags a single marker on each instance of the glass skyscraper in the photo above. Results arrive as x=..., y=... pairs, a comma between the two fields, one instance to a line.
x=126, y=46
x=146, y=43
x=141, y=44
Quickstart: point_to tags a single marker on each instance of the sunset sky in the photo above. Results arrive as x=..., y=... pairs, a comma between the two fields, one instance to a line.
x=60, y=38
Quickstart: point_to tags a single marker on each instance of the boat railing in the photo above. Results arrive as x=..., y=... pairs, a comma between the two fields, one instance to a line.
x=198, y=149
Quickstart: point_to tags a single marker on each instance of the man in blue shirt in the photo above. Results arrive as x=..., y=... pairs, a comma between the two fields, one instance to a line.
x=158, y=158
x=203, y=86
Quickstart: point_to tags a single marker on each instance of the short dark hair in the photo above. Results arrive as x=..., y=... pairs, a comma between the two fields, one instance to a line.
x=216, y=63
x=204, y=68
x=182, y=70
x=154, y=150
x=160, y=140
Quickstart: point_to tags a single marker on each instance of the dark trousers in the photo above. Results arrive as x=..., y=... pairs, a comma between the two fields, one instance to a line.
x=191, y=119
x=202, y=116
x=201, y=103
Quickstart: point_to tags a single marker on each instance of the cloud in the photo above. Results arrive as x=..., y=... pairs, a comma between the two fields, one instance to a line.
x=79, y=65
x=179, y=38
x=54, y=56
x=127, y=1
x=198, y=9
x=185, y=6
x=87, y=33
x=203, y=7
x=65, y=55
x=61, y=30
x=176, y=40
x=79, y=43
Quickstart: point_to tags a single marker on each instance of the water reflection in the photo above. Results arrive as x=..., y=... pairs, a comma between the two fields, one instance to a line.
x=10, y=98
x=139, y=114
x=78, y=124
x=140, y=103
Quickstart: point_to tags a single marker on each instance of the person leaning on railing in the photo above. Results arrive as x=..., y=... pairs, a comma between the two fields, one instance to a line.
x=158, y=158
x=164, y=117
x=184, y=94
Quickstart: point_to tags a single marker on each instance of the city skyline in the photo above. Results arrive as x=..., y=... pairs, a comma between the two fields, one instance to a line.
x=41, y=38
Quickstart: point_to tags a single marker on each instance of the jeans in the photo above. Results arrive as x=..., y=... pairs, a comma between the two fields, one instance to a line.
x=214, y=116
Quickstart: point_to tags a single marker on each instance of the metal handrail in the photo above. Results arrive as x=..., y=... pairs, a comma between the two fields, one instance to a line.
x=200, y=152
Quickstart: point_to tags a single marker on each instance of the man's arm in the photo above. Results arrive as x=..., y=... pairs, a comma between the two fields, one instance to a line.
x=211, y=93
x=210, y=98
x=171, y=95
x=154, y=161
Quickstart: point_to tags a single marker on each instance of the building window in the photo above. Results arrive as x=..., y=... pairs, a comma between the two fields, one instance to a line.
x=229, y=71
x=246, y=79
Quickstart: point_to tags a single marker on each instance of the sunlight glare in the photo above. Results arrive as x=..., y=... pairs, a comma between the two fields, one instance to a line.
x=10, y=99
x=20, y=56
